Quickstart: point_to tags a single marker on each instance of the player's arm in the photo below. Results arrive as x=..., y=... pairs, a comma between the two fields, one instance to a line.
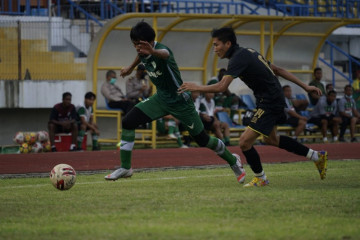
x=220, y=86
x=128, y=70
x=278, y=71
x=147, y=49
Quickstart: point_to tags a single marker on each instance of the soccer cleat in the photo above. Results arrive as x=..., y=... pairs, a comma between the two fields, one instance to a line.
x=321, y=164
x=119, y=173
x=238, y=169
x=172, y=136
x=257, y=182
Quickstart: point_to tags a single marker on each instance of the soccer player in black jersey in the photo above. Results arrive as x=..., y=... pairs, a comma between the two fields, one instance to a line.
x=260, y=76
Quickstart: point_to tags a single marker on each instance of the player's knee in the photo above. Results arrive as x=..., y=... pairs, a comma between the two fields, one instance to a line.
x=51, y=126
x=202, y=139
x=127, y=123
x=244, y=144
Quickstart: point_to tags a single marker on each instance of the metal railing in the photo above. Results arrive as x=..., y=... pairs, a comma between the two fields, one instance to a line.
x=331, y=65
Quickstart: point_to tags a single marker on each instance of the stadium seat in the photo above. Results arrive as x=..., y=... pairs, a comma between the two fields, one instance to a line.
x=248, y=101
x=224, y=117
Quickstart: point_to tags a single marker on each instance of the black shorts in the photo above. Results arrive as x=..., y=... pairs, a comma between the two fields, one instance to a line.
x=266, y=118
x=317, y=121
x=292, y=121
x=208, y=125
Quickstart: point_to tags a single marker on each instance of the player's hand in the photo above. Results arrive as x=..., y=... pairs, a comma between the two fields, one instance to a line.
x=126, y=71
x=145, y=48
x=314, y=89
x=192, y=87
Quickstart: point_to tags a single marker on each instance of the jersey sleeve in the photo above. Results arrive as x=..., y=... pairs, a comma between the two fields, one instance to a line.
x=81, y=112
x=236, y=66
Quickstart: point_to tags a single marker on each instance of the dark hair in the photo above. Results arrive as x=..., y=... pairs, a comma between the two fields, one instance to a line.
x=330, y=92
x=90, y=95
x=328, y=85
x=142, y=31
x=108, y=73
x=224, y=34
x=66, y=94
x=221, y=73
x=317, y=69
x=286, y=86
x=347, y=86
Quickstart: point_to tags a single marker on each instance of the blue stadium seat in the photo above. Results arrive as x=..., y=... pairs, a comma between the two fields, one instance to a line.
x=224, y=117
x=248, y=101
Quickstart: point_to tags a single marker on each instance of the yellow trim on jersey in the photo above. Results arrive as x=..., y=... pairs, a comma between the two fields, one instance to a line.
x=258, y=132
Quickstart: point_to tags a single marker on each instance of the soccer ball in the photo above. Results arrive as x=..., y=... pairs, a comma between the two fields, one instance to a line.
x=19, y=138
x=63, y=176
x=37, y=147
x=46, y=146
x=42, y=136
x=25, y=148
x=30, y=138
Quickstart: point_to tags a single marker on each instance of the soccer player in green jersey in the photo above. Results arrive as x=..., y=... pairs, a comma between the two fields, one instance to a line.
x=260, y=76
x=163, y=71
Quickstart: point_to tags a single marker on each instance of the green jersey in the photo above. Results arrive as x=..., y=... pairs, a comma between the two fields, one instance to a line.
x=165, y=75
x=84, y=112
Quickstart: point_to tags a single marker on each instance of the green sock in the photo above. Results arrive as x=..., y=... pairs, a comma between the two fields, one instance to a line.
x=177, y=133
x=171, y=126
x=95, y=138
x=80, y=138
x=126, y=146
x=219, y=147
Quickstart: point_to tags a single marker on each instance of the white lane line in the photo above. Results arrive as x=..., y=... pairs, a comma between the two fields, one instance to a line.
x=122, y=181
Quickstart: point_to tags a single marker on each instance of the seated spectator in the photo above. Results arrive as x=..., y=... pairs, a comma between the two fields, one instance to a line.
x=63, y=120
x=170, y=125
x=86, y=122
x=137, y=87
x=329, y=87
x=227, y=99
x=348, y=113
x=324, y=115
x=356, y=88
x=314, y=98
x=114, y=95
x=293, y=118
x=207, y=115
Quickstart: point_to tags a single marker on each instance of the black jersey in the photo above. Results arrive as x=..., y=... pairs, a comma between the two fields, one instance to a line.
x=255, y=71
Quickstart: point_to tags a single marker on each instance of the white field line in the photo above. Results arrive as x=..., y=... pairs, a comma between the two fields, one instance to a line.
x=157, y=179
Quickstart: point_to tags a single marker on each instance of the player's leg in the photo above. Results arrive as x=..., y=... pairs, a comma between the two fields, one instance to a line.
x=291, y=145
x=335, y=122
x=81, y=134
x=52, y=129
x=187, y=114
x=95, y=138
x=324, y=127
x=352, y=128
x=345, y=122
x=144, y=112
x=216, y=128
x=74, y=136
x=226, y=133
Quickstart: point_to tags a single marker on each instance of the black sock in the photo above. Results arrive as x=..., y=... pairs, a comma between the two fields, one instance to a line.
x=293, y=146
x=253, y=159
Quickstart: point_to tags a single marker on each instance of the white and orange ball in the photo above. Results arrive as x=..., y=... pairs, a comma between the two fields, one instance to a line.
x=42, y=136
x=37, y=147
x=63, y=176
x=19, y=138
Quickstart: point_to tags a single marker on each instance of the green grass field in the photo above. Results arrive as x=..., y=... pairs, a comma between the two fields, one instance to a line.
x=188, y=204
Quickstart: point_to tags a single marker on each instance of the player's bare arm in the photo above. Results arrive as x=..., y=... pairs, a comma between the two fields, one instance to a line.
x=221, y=86
x=128, y=70
x=146, y=48
x=292, y=78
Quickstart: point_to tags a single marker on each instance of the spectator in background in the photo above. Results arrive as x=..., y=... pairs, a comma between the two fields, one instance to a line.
x=63, y=120
x=207, y=115
x=316, y=82
x=329, y=87
x=137, y=87
x=86, y=122
x=114, y=95
x=348, y=113
x=356, y=87
x=324, y=115
x=293, y=118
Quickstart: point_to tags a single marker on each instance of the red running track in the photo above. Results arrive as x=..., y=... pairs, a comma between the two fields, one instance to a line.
x=158, y=158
